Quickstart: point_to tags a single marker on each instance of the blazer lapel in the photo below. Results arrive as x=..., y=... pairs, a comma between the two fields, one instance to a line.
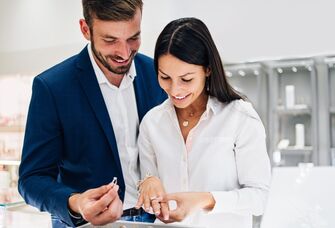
x=140, y=93
x=93, y=93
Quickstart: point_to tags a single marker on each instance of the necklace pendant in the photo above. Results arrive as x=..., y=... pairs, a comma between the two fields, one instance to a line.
x=185, y=123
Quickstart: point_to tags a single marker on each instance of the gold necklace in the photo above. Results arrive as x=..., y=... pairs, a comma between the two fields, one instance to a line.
x=191, y=115
x=185, y=121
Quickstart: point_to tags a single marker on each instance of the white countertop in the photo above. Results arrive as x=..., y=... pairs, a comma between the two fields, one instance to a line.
x=23, y=216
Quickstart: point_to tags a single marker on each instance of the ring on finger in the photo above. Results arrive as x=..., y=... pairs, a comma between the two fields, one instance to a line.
x=153, y=197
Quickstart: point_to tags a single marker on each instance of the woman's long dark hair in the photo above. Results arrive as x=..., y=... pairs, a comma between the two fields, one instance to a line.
x=189, y=40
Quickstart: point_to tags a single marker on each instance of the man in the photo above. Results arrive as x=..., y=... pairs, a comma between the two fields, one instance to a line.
x=83, y=121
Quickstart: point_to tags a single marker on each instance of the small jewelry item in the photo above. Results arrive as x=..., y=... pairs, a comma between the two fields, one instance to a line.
x=153, y=198
x=186, y=122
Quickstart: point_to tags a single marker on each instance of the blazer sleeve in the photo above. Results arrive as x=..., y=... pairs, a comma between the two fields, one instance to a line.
x=41, y=155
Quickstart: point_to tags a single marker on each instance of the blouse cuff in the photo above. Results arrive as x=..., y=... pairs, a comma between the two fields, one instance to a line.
x=224, y=202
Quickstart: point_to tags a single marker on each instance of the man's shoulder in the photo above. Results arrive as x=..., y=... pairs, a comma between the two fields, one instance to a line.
x=145, y=67
x=61, y=71
x=141, y=58
x=144, y=63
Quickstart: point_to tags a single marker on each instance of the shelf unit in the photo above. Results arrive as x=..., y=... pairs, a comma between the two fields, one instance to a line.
x=9, y=129
x=251, y=80
x=10, y=162
x=300, y=76
x=10, y=146
x=15, y=93
x=330, y=61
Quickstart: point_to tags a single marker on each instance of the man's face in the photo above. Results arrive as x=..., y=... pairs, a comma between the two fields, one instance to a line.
x=114, y=43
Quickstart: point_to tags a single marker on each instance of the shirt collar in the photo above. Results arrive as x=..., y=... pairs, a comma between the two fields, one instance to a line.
x=129, y=77
x=213, y=104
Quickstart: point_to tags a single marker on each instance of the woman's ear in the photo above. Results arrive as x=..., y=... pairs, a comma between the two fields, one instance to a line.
x=208, y=71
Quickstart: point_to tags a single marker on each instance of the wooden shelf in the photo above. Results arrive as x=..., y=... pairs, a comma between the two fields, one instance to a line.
x=15, y=129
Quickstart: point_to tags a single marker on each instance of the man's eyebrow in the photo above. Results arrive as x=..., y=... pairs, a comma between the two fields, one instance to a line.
x=113, y=37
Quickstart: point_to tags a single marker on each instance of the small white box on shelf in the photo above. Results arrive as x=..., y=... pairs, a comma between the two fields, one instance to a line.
x=290, y=96
x=299, y=136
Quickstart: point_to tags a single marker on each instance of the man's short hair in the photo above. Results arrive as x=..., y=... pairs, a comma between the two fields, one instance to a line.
x=110, y=10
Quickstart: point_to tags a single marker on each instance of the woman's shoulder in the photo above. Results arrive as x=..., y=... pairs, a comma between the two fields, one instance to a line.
x=244, y=108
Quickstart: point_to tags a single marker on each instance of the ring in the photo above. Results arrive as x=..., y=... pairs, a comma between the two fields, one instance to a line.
x=153, y=197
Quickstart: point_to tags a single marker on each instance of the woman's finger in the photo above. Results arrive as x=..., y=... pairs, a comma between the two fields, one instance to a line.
x=156, y=206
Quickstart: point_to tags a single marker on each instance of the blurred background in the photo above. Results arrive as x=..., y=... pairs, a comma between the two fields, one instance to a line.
x=281, y=54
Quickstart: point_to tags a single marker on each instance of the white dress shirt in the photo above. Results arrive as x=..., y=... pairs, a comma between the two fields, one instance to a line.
x=225, y=154
x=122, y=110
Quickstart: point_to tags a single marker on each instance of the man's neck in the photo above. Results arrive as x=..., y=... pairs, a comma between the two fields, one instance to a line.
x=114, y=79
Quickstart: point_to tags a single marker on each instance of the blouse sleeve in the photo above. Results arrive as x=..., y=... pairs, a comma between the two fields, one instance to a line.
x=148, y=161
x=253, y=171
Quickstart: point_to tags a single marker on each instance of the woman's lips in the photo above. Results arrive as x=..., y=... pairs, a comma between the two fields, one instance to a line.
x=180, y=98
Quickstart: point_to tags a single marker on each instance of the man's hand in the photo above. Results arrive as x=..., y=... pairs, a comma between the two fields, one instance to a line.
x=98, y=206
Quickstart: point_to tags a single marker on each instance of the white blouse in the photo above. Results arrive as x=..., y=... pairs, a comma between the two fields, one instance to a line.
x=225, y=154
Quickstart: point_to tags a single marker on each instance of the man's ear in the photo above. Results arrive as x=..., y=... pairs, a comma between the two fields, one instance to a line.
x=85, y=30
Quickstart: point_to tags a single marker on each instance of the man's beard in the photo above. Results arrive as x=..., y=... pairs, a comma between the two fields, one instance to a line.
x=121, y=70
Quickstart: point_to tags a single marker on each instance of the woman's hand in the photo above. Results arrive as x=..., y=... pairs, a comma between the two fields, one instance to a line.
x=151, y=193
x=187, y=202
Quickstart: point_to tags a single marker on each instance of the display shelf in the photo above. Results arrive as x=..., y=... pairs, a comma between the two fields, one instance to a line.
x=330, y=88
x=10, y=197
x=298, y=110
x=293, y=109
x=12, y=204
x=247, y=78
x=10, y=162
x=297, y=151
x=17, y=129
x=332, y=155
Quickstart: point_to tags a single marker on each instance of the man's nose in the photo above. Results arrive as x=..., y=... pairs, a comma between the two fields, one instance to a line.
x=122, y=49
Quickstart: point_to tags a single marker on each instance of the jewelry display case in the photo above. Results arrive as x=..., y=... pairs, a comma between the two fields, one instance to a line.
x=293, y=112
x=331, y=92
x=250, y=79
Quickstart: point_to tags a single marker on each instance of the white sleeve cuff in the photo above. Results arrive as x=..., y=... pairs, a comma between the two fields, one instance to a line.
x=224, y=201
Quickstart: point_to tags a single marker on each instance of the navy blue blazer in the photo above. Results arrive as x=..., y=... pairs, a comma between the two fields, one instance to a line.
x=69, y=143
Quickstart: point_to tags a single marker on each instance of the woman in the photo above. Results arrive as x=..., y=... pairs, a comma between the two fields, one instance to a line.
x=204, y=147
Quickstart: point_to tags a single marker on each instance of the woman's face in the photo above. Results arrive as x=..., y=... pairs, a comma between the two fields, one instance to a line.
x=183, y=82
